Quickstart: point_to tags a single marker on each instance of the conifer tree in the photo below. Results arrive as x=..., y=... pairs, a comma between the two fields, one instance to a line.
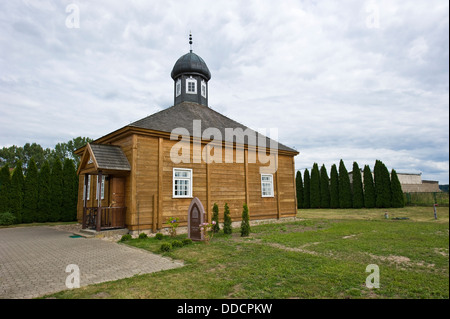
x=324, y=188
x=299, y=187
x=369, y=189
x=227, y=220
x=31, y=193
x=345, y=192
x=215, y=218
x=245, y=224
x=5, y=189
x=382, y=184
x=398, y=200
x=315, y=187
x=306, y=190
x=69, y=191
x=334, y=187
x=358, y=194
x=56, y=184
x=16, y=194
x=44, y=202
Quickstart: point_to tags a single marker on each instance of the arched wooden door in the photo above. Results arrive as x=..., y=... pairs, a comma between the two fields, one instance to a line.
x=196, y=216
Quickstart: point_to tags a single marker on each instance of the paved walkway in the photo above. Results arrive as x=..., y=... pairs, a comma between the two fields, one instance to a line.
x=33, y=261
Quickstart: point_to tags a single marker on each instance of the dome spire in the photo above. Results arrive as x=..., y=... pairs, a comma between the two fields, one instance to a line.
x=190, y=40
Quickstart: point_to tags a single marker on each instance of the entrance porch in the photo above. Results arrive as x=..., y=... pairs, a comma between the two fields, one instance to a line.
x=107, y=210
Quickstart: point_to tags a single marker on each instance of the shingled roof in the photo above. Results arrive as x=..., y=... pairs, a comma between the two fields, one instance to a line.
x=183, y=114
x=110, y=157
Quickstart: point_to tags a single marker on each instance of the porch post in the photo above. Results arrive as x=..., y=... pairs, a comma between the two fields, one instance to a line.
x=99, y=201
x=85, y=192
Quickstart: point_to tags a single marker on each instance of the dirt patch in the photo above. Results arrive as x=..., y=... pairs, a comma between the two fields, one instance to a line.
x=441, y=251
x=296, y=249
x=402, y=261
x=392, y=259
x=100, y=295
x=349, y=236
x=234, y=290
x=215, y=269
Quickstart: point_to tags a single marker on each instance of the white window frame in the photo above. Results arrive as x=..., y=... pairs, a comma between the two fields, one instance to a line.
x=189, y=179
x=270, y=181
x=103, y=188
x=178, y=88
x=193, y=81
x=203, y=89
x=88, y=189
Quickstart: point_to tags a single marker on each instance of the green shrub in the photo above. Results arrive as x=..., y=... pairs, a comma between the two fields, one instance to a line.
x=166, y=247
x=245, y=224
x=143, y=236
x=7, y=219
x=215, y=218
x=125, y=237
x=227, y=220
x=159, y=236
x=186, y=241
x=177, y=243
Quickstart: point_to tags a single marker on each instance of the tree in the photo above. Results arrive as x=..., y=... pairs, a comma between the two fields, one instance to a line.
x=215, y=218
x=227, y=220
x=245, y=224
x=69, y=191
x=11, y=155
x=369, y=190
x=306, y=190
x=345, y=191
x=382, y=184
x=36, y=152
x=324, y=188
x=398, y=200
x=56, y=184
x=315, y=187
x=44, y=202
x=5, y=189
x=358, y=194
x=16, y=194
x=31, y=193
x=334, y=187
x=299, y=187
x=66, y=150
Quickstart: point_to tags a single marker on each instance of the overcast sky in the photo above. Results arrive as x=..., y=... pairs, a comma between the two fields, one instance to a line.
x=351, y=80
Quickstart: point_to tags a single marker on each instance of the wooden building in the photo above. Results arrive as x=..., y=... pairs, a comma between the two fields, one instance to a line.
x=148, y=171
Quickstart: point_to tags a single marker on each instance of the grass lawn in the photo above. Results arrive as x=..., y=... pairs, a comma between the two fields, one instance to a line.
x=324, y=255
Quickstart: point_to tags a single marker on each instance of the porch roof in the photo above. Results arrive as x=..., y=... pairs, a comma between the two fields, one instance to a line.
x=104, y=158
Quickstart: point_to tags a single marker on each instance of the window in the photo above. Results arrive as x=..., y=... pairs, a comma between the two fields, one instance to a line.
x=182, y=182
x=178, y=88
x=204, y=89
x=191, y=86
x=88, y=189
x=103, y=188
x=266, y=185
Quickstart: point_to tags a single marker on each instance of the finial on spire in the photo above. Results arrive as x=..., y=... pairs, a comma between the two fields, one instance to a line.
x=190, y=40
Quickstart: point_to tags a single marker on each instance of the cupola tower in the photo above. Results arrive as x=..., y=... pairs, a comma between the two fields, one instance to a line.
x=191, y=75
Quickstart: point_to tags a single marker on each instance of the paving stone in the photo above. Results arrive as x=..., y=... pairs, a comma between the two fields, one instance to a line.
x=33, y=261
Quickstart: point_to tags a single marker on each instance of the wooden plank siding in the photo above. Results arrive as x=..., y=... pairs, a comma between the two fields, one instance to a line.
x=149, y=185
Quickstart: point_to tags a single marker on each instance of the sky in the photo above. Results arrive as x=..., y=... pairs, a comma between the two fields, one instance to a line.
x=354, y=80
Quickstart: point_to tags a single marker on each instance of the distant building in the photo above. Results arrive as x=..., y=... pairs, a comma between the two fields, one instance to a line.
x=411, y=183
